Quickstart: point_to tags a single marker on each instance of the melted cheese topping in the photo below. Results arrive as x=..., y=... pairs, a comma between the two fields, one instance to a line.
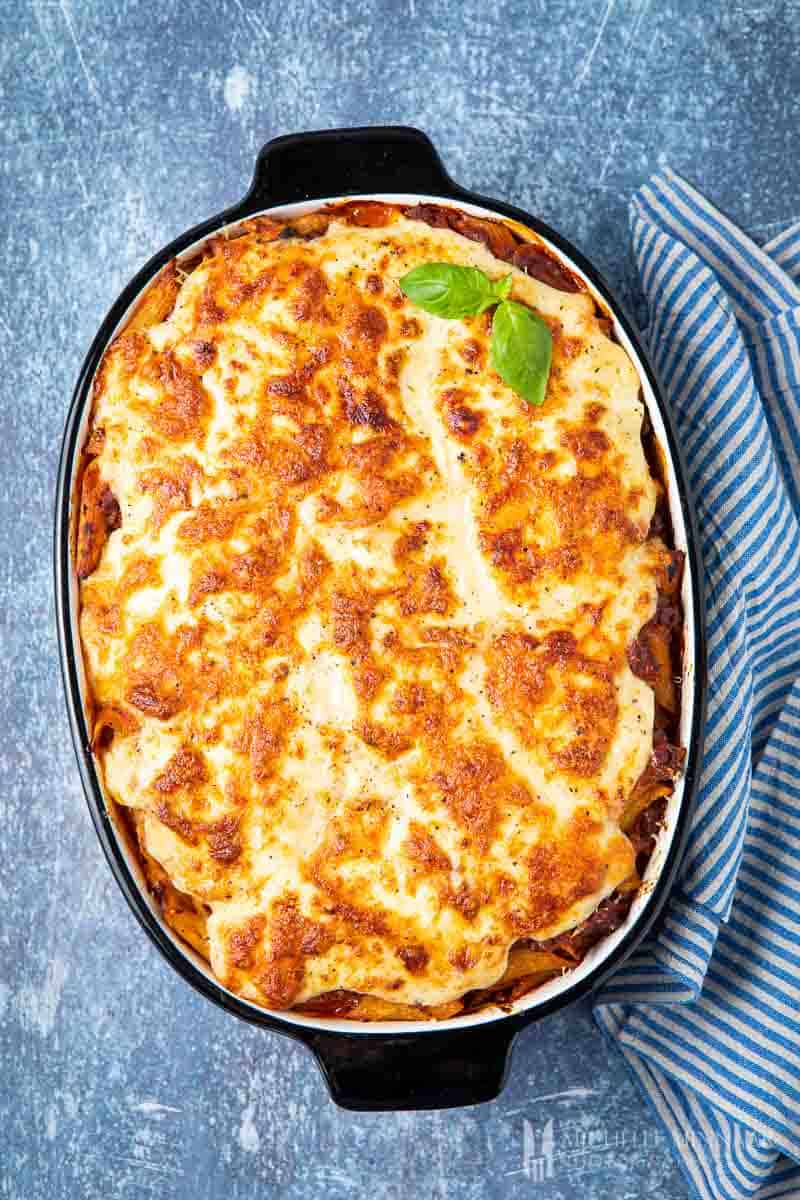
x=362, y=629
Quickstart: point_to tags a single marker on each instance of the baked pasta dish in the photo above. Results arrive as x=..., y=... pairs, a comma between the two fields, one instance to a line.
x=382, y=659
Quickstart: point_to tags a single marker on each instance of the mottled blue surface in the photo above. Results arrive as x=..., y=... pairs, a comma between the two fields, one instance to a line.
x=121, y=125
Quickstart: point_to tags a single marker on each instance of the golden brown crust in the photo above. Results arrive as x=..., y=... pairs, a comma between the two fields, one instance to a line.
x=290, y=632
x=99, y=516
x=157, y=302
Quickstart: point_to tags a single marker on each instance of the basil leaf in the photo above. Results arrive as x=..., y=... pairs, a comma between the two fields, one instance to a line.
x=522, y=349
x=447, y=290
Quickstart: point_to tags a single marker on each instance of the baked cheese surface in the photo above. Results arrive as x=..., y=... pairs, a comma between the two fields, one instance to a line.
x=361, y=631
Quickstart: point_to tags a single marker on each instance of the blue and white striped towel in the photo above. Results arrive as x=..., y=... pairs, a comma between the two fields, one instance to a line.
x=707, y=1014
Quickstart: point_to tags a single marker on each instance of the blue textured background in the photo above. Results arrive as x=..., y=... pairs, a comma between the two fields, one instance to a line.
x=121, y=125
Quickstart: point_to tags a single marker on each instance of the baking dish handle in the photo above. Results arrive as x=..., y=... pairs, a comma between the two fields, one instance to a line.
x=346, y=162
x=422, y=1071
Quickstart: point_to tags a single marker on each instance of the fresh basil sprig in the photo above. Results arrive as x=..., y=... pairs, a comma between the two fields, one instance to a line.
x=447, y=290
x=522, y=349
x=522, y=345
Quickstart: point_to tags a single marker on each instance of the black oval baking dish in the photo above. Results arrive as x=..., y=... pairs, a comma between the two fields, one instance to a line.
x=389, y=1066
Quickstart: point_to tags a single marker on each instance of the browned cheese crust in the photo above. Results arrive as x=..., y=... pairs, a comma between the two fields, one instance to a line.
x=383, y=661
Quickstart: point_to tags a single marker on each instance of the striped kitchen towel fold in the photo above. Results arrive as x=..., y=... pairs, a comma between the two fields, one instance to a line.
x=707, y=1013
